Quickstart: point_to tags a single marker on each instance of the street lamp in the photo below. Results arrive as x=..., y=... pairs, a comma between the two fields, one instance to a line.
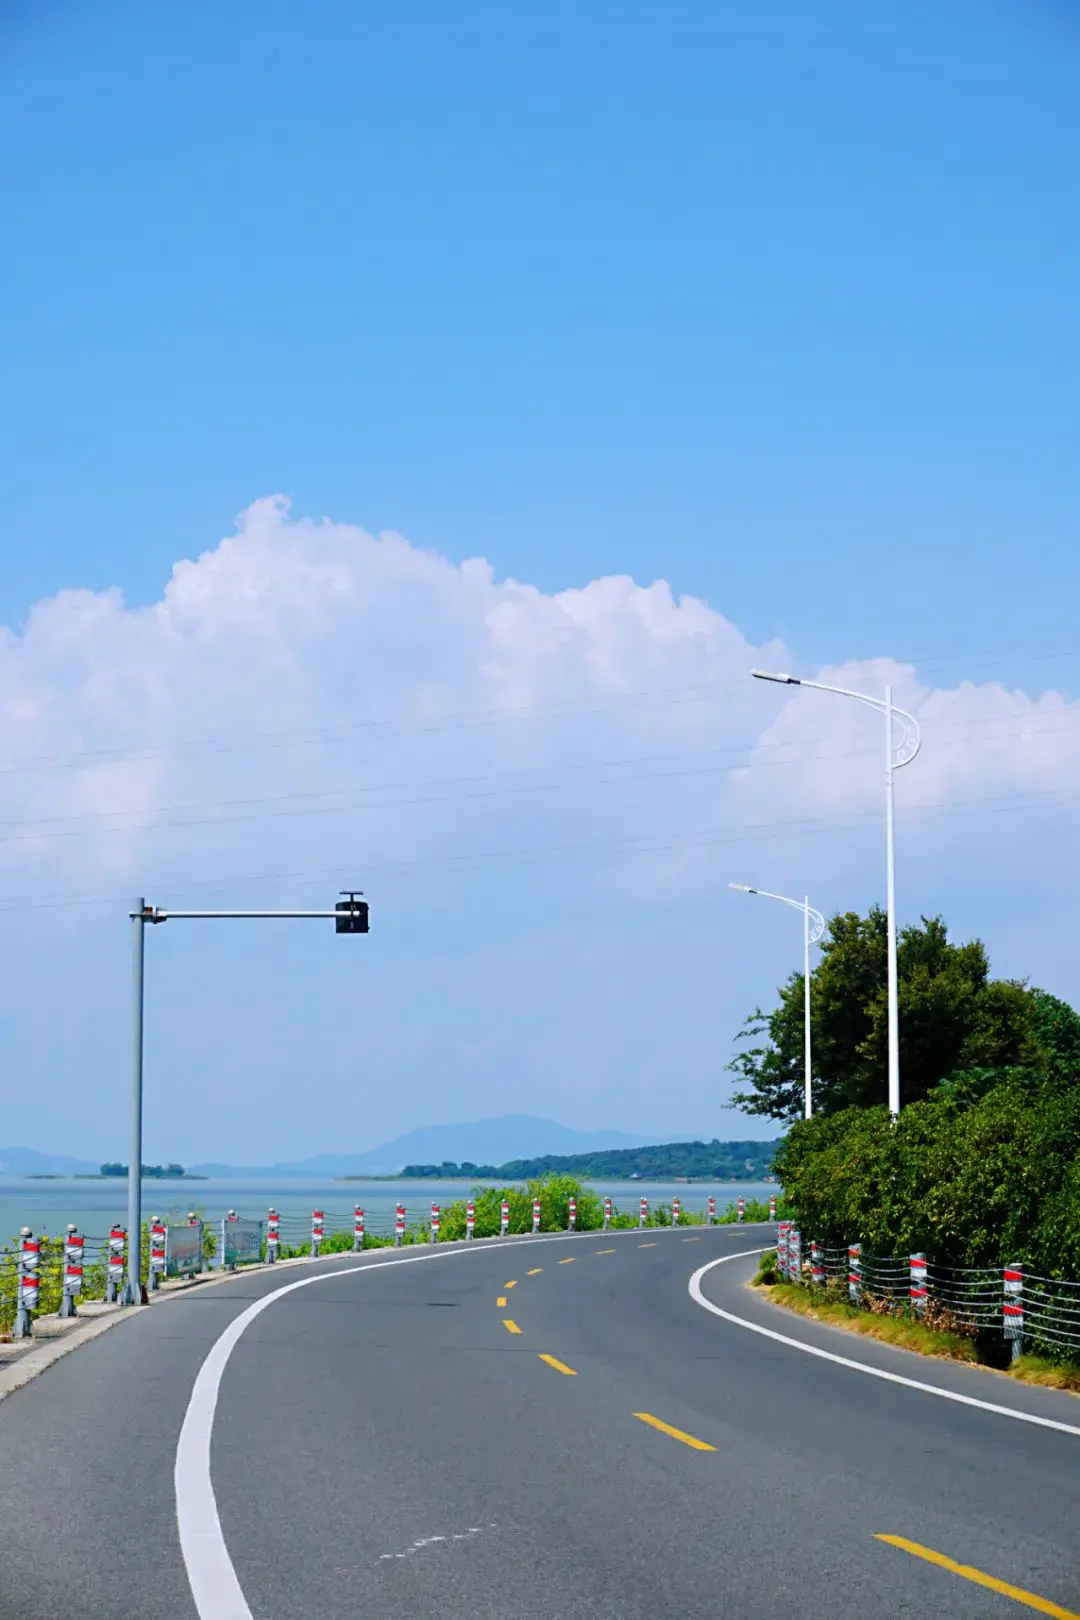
x=896, y=754
x=813, y=928
x=350, y=916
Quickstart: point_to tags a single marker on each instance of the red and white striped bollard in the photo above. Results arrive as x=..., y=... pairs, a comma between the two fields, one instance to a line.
x=504, y=1217
x=643, y=1213
x=854, y=1273
x=399, y=1226
x=676, y=1211
x=607, y=1214
x=772, y=1209
x=435, y=1222
x=273, y=1236
x=711, y=1213
x=917, y=1282
x=318, y=1232
x=572, y=1226
x=29, y=1281
x=157, y=1253
x=1013, y=1307
x=73, y=1270
x=740, y=1209
x=536, y=1216
x=817, y=1266
x=357, y=1229
x=114, y=1271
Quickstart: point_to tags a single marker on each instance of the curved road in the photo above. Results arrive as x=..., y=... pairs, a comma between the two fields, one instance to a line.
x=545, y=1429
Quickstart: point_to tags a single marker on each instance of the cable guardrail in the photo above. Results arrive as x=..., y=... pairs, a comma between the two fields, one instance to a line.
x=1029, y=1310
x=42, y=1276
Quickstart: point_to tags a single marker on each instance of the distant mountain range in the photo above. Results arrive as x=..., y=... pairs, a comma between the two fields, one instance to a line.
x=483, y=1141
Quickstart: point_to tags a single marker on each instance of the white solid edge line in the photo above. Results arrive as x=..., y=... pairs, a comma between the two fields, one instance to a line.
x=861, y=1366
x=215, y=1589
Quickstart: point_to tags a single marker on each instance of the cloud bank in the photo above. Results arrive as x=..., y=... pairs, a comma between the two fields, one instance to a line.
x=306, y=695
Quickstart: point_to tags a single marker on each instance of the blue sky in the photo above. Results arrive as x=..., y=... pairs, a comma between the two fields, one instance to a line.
x=777, y=305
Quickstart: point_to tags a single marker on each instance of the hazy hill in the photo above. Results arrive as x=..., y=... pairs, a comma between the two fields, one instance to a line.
x=483, y=1141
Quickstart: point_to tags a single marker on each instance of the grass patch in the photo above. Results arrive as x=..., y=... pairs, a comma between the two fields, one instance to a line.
x=1051, y=1374
x=900, y=1330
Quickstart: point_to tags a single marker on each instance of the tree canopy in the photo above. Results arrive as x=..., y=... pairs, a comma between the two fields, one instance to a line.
x=959, y=1029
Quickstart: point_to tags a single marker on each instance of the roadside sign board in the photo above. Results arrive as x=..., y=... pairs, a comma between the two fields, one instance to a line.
x=184, y=1250
x=241, y=1242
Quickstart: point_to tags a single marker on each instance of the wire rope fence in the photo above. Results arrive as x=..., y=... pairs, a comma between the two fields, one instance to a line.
x=44, y=1276
x=1010, y=1303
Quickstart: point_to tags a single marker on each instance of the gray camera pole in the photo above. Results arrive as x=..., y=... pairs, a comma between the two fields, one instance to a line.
x=141, y=914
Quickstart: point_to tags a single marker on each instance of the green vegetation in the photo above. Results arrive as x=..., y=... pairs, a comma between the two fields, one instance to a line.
x=983, y=1164
x=704, y=1161
x=958, y=1027
x=150, y=1172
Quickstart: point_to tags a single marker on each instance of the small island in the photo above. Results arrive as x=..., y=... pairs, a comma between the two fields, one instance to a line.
x=150, y=1172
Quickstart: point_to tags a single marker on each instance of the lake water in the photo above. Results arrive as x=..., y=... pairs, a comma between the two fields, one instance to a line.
x=48, y=1206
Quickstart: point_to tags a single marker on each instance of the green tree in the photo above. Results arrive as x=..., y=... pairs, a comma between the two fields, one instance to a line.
x=954, y=1021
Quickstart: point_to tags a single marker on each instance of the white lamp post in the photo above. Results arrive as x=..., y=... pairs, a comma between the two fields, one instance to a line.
x=896, y=755
x=813, y=928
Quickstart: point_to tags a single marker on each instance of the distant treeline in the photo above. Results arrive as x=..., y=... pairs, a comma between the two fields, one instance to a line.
x=706, y=1161
x=151, y=1172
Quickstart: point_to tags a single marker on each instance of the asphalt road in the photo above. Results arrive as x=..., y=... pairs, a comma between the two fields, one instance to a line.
x=386, y=1447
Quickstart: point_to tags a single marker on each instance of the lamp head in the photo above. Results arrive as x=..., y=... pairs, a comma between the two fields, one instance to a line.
x=775, y=675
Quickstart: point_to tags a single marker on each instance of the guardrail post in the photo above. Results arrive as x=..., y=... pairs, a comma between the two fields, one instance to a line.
x=710, y=1214
x=643, y=1213
x=434, y=1223
x=854, y=1273
x=28, y=1282
x=676, y=1211
x=73, y=1270
x=781, y=1248
x=607, y=1214
x=536, y=1216
x=114, y=1274
x=470, y=1221
x=1013, y=1307
x=399, y=1226
x=817, y=1265
x=273, y=1236
x=318, y=1232
x=358, y=1229
x=504, y=1217
x=572, y=1223
x=795, y=1255
x=772, y=1209
x=917, y=1282
x=157, y=1253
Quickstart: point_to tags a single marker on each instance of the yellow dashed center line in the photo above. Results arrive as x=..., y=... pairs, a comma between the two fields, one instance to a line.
x=1031, y=1600
x=559, y=1366
x=535, y=1272
x=569, y=1260
x=676, y=1434
x=605, y=1251
x=647, y=1245
x=510, y=1325
x=501, y=1302
x=511, y=1284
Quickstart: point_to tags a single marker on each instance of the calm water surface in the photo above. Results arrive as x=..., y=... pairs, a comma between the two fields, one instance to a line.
x=48, y=1206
